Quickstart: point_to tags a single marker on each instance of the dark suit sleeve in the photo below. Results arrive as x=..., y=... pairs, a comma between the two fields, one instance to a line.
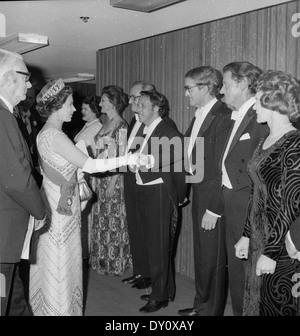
x=16, y=178
x=221, y=132
x=170, y=122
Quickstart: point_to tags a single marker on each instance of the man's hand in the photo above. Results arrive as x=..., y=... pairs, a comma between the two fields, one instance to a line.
x=242, y=248
x=208, y=221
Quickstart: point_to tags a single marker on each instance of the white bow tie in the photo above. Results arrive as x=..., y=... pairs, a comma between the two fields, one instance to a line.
x=236, y=115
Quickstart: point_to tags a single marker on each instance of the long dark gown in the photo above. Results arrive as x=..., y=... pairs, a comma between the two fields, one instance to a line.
x=273, y=205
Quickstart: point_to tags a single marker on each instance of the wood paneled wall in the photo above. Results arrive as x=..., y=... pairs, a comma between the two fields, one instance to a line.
x=262, y=37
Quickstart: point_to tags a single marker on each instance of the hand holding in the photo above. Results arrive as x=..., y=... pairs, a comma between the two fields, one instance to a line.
x=242, y=248
x=265, y=265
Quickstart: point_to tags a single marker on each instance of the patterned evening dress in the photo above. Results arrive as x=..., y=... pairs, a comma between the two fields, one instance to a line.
x=56, y=258
x=110, y=250
x=274, y=204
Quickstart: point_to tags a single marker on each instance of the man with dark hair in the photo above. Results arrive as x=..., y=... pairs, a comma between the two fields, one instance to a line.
x=239, y=81
x=141, y=271
x=212, y=124
x=19, y=194
x=158, y=194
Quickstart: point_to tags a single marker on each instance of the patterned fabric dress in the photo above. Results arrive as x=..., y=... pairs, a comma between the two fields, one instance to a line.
x=110, y=250
x=56, y=258
x=274, y=204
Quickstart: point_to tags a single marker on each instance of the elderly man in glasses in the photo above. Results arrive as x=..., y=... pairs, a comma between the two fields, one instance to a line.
x=211, y=123
x=141, y=272
x=19, y=194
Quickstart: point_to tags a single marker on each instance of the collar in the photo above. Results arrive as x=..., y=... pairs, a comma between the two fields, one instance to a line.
x=206, y=108
x=151, y=127
x=241, y=112
x=7, y=103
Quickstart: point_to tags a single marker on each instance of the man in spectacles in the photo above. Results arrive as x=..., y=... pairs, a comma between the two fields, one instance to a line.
x=141, y=271
x=19, y=194
x=212, y=124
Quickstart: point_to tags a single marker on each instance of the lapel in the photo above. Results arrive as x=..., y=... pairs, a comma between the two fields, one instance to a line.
x=245, y=122
x=130, y=128
x=189, y=130
x=207, y=121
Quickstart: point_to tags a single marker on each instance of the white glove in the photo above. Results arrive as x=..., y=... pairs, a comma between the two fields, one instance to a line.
x=92, y=166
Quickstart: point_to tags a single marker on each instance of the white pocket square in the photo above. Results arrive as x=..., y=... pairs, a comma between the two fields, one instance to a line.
x=245, y=136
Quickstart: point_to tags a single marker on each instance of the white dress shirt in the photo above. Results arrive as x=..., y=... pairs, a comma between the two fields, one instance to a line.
x=150, y=130
x=200, y=115
x=238, y=116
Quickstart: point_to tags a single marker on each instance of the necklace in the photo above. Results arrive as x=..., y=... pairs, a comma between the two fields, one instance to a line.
x=280, y=131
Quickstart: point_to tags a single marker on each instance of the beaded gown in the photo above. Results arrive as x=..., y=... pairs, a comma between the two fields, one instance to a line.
x=273, y=205
x=56, y=256
x=110, y=249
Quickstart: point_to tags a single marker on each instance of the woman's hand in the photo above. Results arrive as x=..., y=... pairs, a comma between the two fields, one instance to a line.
x=242, y=248
x=265, y=265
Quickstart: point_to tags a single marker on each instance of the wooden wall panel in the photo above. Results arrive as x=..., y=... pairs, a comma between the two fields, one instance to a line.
x=262, y=37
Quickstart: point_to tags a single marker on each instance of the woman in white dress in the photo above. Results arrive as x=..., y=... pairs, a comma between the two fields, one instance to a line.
x=56, y=258
x=91, y=112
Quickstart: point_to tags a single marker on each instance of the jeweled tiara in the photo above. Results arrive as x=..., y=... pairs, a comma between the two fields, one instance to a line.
x=53, y=89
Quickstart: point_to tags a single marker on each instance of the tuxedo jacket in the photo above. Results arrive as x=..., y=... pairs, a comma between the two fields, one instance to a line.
x=243, y=144
x=214, y=130
x=168, y=160
x=19, y=193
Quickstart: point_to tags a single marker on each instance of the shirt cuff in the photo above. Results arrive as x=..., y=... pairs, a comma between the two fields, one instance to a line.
x=212, y=213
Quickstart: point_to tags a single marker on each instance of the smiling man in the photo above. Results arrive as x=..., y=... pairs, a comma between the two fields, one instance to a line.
x=158, y=194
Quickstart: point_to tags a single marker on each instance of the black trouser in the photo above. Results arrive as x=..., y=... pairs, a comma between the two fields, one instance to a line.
x=155, y=210
x=14, y=303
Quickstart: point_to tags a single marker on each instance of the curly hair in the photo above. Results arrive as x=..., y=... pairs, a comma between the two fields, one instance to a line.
x=46, y=107
x=240, y=70
x=93, y=102
x=156, y=99
x=116, y=96
x=280, y=93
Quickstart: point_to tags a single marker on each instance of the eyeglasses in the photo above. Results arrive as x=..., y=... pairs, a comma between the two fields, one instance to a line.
x=134, y=98
x=27, y=74
x=188, y=88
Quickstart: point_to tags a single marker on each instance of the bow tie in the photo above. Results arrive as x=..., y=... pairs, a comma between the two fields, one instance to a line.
x=236, y=115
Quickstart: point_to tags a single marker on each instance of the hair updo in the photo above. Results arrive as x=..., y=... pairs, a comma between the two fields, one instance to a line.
x=280, y=93
x=116, y=95
x=52, y=97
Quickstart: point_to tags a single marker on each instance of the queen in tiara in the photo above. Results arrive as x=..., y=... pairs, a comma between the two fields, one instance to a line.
x=56, y=256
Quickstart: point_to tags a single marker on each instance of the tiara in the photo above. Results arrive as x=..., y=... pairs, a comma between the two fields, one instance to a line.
x=53, y=89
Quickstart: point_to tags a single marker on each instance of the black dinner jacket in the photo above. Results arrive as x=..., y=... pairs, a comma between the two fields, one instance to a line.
x=19, y=193
x=243, y=144
x=168, y=161
x=214, y=130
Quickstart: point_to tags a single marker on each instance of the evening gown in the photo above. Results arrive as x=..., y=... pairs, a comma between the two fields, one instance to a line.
x=273, y=205
x=110, y=249
x=56, y=256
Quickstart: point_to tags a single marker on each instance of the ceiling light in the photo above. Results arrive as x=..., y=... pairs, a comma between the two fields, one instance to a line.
x=23, y=43
x=143, y=5
x=72, y=78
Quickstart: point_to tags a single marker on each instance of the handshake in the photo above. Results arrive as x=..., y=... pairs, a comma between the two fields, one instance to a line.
x=137, y=160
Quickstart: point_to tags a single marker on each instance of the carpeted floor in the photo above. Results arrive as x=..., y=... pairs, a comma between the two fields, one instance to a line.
x=109, y=296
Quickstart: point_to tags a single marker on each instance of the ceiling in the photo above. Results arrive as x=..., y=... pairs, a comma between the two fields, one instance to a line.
x=73, y=43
